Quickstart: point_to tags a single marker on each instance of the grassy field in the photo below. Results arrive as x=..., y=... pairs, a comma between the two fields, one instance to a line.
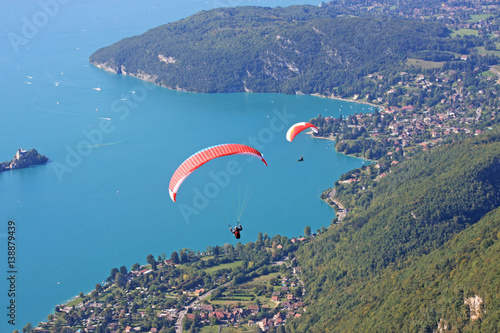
x=262, y=280
x=481, y=50
x=223, y=266
x=230, y=329
x=424, y=64
x=108, y=292
x=209, y=329
x=245, y=294
x=242, y=329
x=75, y=302
x=478, y=17
x=465, y=32
x=489, y=73
x=494, y=73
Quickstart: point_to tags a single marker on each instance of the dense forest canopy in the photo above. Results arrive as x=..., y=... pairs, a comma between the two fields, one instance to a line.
x=407, y=248
x=293, y=49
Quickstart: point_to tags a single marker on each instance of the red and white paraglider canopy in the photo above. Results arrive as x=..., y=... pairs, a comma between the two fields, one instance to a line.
x=297, y=128
x=202, y=157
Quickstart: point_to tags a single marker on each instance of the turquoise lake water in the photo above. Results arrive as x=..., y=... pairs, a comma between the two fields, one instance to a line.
x=115, y=141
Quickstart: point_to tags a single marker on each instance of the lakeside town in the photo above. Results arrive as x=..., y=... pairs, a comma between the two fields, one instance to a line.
x=429, y=101
x=397, y=130
x=217, y=289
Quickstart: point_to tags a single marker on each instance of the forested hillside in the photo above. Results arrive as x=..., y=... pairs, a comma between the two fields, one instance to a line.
x=426, y=242
x=295, y=49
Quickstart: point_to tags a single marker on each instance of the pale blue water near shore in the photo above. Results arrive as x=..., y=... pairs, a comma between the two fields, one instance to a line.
x=114, y=142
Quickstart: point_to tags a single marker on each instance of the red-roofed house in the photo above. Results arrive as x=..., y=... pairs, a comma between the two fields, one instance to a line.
x=207, y=307
x=253, y=308
x=264, y=324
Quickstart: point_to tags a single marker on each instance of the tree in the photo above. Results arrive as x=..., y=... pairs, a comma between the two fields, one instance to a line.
x=94, y=295
x=307, y=231
x=183, y=257
x=27, y=328
x=368, y=154
x=135, y=267
x=111, y=277
x=57, y=326
x=175, y=257
x=297, y=292
x=123, y=270
x=216, y=294
x=71, y=321
x=120, y=280
x=151, y=260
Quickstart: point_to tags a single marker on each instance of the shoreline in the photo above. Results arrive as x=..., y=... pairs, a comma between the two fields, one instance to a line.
x=340, y=210
x=349, y=100
x=330, y=138
x=151, y=79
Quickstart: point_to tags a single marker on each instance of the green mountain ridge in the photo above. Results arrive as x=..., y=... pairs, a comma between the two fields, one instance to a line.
x=296, y=49
x=427, y=242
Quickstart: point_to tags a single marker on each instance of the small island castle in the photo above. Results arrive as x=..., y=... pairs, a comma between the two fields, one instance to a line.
x=24, y=159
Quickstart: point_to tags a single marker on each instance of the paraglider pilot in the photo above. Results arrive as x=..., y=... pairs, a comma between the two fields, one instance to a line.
x=236, y=230
x=301, y=159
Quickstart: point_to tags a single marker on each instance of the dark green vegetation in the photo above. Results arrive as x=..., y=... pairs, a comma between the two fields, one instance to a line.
x=414, y=248
x=24, y=159
x=294, y=49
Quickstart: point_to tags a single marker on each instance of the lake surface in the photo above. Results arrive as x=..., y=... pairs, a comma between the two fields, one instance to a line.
x=114, y=142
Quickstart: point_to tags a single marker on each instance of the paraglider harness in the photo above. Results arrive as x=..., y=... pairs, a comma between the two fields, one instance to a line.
x=236, y=230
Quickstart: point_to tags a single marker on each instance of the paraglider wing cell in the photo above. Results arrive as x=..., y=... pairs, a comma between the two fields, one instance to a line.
x=297, y=128
x=203, y=156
